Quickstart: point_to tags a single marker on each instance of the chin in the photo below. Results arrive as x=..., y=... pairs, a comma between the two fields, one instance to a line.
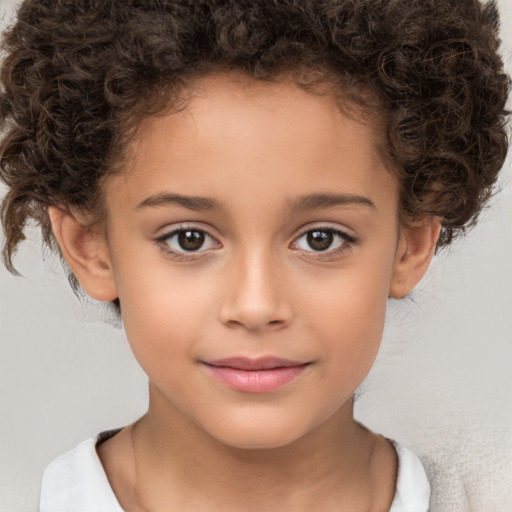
x=257, y=433
x=259, y=440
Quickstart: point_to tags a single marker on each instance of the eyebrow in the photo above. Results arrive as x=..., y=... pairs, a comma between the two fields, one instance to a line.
x=299, y=204
x=318, y=201
x=195, y=203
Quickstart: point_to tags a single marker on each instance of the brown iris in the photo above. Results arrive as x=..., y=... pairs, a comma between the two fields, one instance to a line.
x=190, y=240
x=320, y=240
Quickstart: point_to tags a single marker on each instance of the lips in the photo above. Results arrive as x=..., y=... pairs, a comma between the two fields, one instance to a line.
x=263, y=375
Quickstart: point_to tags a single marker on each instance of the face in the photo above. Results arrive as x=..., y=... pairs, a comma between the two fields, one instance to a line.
x=252, y=239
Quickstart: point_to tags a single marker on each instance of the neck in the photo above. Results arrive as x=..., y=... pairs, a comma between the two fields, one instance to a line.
x=331, y=462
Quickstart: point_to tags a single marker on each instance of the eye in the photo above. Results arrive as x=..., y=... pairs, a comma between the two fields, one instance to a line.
x=324, y=240
x=187, y=240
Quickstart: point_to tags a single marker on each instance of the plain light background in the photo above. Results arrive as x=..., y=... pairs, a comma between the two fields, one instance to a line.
x=442, y=384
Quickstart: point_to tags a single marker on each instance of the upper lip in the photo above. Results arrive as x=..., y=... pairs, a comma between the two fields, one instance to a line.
x=261, y=363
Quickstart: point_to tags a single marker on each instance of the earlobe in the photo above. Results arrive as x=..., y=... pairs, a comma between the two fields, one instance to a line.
x=86, y=253
x=414, y=253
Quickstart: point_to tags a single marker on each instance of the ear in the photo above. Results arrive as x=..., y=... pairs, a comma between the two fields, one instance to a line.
x=86, y=252
x=416, y=247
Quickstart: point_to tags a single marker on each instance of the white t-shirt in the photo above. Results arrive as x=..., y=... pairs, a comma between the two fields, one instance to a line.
x=76, y=482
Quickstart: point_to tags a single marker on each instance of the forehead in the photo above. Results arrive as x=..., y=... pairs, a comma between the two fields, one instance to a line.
x=233, y=100
x=237, y=133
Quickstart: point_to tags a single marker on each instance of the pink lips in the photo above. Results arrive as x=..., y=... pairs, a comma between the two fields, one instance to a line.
x=255, y=375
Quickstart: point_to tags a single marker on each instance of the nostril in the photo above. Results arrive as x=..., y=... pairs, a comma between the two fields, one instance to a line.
x=256, y=326
x=276, y=323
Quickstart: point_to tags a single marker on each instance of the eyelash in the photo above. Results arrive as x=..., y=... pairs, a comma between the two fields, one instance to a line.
x=162, y=241
x=347, y=243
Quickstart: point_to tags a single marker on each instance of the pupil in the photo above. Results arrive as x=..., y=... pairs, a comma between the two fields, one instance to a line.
x=190, y=240
x=320, y=240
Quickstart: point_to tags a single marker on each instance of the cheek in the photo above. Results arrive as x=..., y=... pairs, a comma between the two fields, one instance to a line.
x=355, y=330
x=163, y=312
x=349, y=313
x=351, y=300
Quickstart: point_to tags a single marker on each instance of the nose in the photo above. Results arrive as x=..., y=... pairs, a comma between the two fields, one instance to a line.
x=255, y=295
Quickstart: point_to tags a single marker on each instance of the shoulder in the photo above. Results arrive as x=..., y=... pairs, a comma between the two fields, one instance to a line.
x=77, y=481
x=412, y=486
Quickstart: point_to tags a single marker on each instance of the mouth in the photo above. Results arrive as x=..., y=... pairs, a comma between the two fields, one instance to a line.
x=263, y=375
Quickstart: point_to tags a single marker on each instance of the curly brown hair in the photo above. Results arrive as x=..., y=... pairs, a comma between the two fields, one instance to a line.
x=79, y=75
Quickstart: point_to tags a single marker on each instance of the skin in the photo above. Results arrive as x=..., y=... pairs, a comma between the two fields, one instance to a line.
x=255, y=288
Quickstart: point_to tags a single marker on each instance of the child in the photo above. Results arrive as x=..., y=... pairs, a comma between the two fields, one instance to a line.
x=248, y=183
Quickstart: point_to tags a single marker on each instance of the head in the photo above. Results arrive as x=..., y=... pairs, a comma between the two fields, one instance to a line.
x=309, y=132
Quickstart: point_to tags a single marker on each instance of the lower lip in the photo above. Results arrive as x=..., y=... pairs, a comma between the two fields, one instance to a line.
x=256, y=381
